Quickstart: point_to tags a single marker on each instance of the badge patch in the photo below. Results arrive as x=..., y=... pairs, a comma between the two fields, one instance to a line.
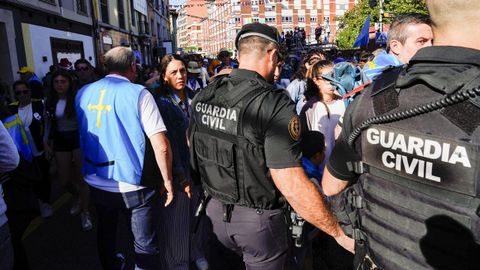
x=294, y=128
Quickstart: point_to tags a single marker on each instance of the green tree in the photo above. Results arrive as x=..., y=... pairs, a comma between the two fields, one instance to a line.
x=352, y=21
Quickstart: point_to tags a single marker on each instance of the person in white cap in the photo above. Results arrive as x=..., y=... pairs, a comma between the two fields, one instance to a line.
x=193, y=77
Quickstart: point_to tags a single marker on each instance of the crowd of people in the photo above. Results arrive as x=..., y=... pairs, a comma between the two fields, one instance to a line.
x=179, y=143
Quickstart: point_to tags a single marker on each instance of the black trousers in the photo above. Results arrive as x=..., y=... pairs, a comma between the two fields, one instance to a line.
x=260, y=236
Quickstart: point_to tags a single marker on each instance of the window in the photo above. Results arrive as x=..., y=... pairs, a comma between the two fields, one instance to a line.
x=286, y=18
x=269, y=8
x=49, y=1
x=133, y=13
x=255, y=19
x=104, y=11
x=301, y=19
x=254, y=9
x=237, y=19
x=82, y=7
x=313, y=19
x=121, y=14
x=270, y=20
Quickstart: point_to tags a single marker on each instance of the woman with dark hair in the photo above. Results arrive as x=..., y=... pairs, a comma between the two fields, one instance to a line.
x=298, y=83
x=324, y=106
x=173, y=100
x=64, y=137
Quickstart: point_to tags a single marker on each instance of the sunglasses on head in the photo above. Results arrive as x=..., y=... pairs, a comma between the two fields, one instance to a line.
x=24, y=92
x=82, y=68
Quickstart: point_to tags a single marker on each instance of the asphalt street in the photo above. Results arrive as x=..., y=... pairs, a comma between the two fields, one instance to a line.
x=58, y=242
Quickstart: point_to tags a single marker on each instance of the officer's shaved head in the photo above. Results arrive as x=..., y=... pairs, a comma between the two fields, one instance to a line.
x=455, y=22
x=258, y=49
x=452, y=12
x=255, y=45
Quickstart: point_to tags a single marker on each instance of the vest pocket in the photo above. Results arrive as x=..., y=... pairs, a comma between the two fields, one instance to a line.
x=216, y=164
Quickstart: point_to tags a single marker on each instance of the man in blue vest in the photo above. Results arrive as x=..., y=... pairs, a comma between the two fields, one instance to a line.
x=126, y=157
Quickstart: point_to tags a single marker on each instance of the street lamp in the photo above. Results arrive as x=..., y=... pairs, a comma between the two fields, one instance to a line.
x=372, y=4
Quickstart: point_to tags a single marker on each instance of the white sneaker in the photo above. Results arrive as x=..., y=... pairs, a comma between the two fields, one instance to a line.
x=75, y=207
x=202, y=264
x=86, y=221
x=45, y=210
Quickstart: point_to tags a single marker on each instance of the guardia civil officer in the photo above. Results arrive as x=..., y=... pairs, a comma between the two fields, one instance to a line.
x=245, y=145
x=416, y=202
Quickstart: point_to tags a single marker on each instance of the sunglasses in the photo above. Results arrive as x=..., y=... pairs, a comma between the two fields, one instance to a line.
x=24, y=92
x=82, y=68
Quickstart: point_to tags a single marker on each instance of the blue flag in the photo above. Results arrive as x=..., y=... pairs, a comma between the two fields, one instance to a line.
x=362, y=39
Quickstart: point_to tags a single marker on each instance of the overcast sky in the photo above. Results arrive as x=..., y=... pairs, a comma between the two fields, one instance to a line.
x=177, y=2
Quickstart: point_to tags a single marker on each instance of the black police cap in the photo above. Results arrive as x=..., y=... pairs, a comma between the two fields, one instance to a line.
x=259, y=30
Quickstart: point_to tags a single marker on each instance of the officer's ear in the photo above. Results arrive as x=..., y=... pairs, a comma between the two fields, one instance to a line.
x=273, y=55
x=395, y=47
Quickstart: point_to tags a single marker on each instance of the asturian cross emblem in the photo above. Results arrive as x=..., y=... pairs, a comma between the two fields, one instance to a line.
x=100, y=107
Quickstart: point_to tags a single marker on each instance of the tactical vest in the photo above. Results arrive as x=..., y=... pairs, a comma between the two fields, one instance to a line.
x=416, y=204
x=37, y=127
x=232, y=168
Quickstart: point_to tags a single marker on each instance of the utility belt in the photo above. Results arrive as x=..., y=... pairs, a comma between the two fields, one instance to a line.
x=228, y=209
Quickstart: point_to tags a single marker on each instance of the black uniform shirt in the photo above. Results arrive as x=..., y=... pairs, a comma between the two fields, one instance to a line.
x=437, y=67
x=275, y=125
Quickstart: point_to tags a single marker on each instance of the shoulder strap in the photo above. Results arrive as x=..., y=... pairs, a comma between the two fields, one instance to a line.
x=208, y=92
x=243, y=90
x=387, y=79
x=249, y=98
x=356, y=90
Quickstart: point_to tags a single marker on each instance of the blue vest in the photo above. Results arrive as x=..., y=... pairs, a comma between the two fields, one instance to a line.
x=111, y=136
x=14, y=126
